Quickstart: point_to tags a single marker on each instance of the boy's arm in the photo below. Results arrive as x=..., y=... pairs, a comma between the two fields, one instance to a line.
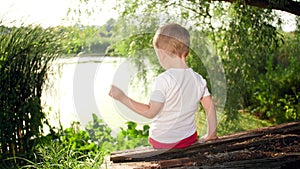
x=211, y=118
x=147, y=110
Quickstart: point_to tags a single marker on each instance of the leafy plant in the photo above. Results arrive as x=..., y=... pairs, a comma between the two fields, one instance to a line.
x=77, y=148
x=132, y=137
x=100, y=135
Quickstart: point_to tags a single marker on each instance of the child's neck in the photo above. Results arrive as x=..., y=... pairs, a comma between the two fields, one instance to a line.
x=176, y=62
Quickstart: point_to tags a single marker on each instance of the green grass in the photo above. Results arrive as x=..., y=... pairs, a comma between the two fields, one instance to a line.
x=241, y=122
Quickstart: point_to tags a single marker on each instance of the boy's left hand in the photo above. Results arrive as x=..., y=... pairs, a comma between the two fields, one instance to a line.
x=206, y=138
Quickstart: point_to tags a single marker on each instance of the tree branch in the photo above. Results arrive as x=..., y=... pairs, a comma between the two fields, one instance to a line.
x=289, y=6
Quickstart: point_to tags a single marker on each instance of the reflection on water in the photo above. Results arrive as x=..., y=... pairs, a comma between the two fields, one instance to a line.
x=78, y=87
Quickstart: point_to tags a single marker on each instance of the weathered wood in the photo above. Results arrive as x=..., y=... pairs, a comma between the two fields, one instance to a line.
x=265, y=144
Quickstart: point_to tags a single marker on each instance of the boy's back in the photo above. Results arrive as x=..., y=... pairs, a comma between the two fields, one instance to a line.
x=181, y=91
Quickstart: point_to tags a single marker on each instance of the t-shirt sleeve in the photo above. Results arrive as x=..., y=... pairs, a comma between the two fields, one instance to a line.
x=203, y=87
x=206, y=92
x=158, y=93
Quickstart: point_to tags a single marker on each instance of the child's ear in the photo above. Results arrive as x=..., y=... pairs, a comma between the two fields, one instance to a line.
x=161, y=52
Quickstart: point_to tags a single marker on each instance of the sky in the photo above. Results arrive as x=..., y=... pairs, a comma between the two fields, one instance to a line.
x=50, y=12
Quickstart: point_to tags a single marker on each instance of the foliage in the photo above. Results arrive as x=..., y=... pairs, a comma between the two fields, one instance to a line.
x=94, y=39
x=245, y=55
x=25, y=54
x=78, y=148
x=279, y=102
x=132, y=137
x=243, y=121
x=88, y=39
x=100, y=134
x=77, y=38
x=95, y=139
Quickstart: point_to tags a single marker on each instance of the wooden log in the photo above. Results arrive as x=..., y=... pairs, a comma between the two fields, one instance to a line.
x=269, y=143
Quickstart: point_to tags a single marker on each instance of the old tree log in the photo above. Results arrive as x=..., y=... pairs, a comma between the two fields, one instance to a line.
x=269, y=147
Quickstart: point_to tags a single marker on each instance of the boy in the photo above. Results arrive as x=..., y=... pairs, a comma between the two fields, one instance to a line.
x=175, y=96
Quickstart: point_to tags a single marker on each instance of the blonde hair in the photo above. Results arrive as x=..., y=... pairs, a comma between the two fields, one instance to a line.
x=173, y=38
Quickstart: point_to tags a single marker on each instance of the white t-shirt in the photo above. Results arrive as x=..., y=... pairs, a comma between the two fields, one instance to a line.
x=180, y=90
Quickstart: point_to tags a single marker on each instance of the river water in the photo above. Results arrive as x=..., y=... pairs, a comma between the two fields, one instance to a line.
x=78, y=87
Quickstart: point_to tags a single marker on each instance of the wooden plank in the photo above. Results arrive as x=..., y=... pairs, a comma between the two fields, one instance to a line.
x=250, y=163
x=290, y=162
x=225, y=143
x=132, y=165
x=271, y=146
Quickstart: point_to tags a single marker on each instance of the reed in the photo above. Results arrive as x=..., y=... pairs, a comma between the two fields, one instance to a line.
x=25, y=56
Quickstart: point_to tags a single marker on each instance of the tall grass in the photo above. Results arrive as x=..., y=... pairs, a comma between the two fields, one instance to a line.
x=25, y=54
x=55, y=155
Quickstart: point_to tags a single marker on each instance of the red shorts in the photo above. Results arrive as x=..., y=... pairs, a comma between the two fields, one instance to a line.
x=181, y=144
